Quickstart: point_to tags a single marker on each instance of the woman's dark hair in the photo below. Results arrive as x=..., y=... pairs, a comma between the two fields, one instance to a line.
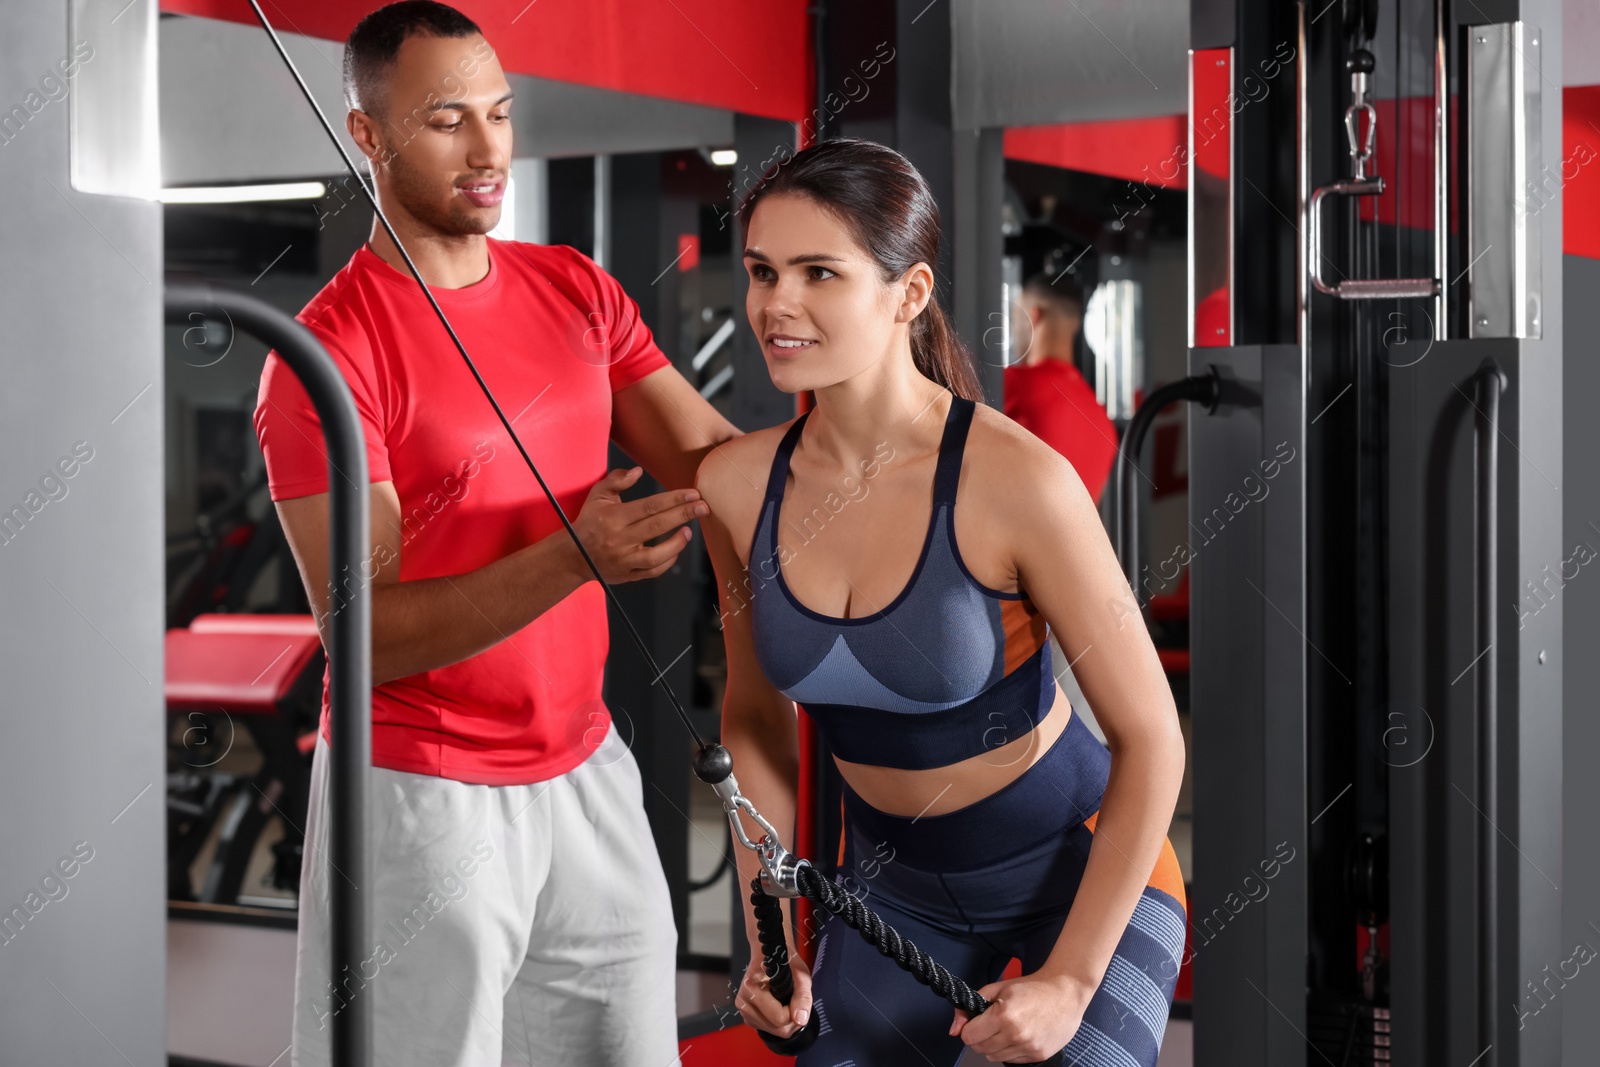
x=887, y=207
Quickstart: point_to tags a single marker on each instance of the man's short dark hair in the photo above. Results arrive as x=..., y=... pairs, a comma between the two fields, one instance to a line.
x=375, y=43
x=1063, y=295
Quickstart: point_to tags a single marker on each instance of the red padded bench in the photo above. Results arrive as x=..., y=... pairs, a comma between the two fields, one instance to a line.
x=254, y=669
x=240, y=664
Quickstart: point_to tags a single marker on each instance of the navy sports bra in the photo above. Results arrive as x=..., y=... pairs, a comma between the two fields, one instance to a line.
x=947, y=670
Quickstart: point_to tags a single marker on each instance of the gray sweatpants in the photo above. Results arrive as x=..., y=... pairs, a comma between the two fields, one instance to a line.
x=512, y=925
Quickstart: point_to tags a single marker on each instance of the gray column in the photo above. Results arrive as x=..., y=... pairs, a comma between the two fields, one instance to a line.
x=82, y=770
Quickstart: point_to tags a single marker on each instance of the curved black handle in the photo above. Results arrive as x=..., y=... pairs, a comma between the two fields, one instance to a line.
x=1201, y=388
x=350, y=635
x=1489, y=383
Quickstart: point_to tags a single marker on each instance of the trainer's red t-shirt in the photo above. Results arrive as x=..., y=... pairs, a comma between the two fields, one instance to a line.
x=1051, y=400
x=554, y=336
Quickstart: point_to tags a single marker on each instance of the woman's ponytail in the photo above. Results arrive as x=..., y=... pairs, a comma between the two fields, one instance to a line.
x=939, y=352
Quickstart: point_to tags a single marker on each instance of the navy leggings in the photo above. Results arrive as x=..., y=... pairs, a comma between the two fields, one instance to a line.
x=975, y=888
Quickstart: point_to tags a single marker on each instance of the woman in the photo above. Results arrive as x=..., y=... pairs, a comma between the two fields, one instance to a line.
x=973, y=795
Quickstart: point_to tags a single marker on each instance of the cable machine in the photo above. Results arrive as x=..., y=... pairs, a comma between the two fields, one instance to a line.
x=1377, y=742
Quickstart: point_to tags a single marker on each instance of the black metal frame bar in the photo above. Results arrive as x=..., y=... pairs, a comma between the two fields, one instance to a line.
x=1486, y=445
x=349, y=635
x=1202, y=389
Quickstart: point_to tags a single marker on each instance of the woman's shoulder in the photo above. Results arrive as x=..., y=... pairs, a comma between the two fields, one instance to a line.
x=1019, y=480
x=1004, y=459
x=1016, y=494
x=732, y=478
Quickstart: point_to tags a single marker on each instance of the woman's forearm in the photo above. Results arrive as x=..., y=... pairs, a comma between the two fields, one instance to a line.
x=1129, y=834
x=766, y=762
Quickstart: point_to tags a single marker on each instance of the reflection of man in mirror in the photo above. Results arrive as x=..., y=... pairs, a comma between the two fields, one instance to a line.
x=1045, y=393
x=1047, y=396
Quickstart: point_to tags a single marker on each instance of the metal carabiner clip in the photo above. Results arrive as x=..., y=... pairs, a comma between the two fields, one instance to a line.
x=1360, y=148
x=780, y=868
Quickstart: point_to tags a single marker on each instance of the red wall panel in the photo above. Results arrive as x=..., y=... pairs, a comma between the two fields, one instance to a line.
x=1580, y=170
x=1141, y=150
x=720, y=53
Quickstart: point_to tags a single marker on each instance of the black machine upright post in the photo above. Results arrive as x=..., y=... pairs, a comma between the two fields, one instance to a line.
x=349, y=635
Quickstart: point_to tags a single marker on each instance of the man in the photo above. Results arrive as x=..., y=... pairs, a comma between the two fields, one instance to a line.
x=520, y=912
x=1044, y=391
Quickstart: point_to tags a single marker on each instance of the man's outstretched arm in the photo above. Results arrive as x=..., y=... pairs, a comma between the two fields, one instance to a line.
x=429, y=623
